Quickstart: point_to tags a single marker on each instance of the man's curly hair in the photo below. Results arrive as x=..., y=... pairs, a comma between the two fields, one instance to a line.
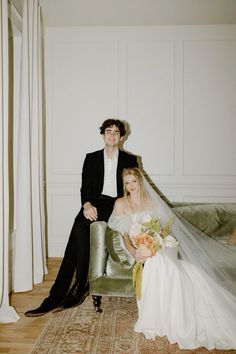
x=110, y=122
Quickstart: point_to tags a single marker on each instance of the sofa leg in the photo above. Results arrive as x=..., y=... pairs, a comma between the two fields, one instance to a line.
x=97, y=302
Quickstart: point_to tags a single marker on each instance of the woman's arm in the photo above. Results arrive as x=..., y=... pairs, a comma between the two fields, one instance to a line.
x=120, y=208
x=128, y=244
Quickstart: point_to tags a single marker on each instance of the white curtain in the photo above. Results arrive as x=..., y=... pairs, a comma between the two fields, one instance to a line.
x=30, y=258
x=7, y=313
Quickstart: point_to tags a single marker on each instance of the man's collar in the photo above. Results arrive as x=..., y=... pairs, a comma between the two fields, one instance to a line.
x=114, y=155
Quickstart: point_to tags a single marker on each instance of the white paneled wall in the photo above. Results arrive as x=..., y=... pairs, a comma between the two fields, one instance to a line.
x=175, y=86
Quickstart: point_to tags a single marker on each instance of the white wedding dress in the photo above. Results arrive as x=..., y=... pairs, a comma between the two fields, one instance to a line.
x=189, y=292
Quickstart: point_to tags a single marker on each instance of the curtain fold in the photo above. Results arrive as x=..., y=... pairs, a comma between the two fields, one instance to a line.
x=7, y=313
x=30, y=256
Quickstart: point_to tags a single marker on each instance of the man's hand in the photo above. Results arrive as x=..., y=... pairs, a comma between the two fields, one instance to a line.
x=90, y=212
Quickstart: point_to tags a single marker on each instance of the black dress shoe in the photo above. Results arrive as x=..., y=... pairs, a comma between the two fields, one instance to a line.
x=44, y=308
x=76, y=295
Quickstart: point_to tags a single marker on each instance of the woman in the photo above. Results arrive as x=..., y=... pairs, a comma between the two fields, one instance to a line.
x=188, y=292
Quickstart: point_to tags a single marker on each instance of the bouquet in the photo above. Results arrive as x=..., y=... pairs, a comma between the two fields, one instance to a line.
x=148, y=237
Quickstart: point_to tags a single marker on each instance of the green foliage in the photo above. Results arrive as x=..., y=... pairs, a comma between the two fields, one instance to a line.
x=166, y=230
x=153, y=225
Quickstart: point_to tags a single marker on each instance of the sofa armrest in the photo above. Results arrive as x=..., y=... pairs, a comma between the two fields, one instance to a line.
x=98, y=252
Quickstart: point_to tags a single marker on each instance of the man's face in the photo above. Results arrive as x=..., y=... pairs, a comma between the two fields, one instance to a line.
x=112, y=136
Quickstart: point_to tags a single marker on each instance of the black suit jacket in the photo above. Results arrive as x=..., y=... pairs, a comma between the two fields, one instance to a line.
x=93, y=174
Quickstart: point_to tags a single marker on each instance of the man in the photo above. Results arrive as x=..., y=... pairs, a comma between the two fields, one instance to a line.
x=101, y=186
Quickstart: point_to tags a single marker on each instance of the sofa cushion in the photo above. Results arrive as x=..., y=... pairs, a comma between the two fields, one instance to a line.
x=116, y=248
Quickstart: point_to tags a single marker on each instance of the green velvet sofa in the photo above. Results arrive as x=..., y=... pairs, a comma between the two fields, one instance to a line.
x=110, y=270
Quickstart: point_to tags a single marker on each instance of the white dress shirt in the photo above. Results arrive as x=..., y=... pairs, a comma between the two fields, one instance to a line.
x=110, y=167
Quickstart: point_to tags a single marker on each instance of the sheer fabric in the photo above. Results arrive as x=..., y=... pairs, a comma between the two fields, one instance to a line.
x=189, y=296
x=30, y=247
x=7, y=313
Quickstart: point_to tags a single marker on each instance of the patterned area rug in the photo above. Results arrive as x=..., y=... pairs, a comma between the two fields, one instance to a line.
x=82, y=330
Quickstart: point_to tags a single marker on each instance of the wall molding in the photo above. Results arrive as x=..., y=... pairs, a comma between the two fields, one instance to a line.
x=142, y=75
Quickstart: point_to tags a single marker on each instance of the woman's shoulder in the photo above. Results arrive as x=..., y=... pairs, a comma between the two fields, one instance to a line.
x=120, y=206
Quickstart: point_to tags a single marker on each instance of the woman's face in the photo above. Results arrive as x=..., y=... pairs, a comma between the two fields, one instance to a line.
x=131, y=184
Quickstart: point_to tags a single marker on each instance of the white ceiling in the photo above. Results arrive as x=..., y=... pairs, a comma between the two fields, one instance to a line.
x=135, y=12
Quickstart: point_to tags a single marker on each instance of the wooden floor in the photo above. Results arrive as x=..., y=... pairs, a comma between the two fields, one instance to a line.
x=20, y=337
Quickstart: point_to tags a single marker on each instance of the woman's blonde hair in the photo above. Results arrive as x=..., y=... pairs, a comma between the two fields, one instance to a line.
x=134, y=171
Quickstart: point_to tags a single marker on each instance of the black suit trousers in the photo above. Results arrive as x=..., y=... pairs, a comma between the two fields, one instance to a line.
x=76, y=256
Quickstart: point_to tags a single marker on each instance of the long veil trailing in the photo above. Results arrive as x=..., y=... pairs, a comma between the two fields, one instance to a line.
x=208, y=256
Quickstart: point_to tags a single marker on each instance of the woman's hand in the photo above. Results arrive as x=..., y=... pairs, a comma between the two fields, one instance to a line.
x=136, y=253
x=139, y=257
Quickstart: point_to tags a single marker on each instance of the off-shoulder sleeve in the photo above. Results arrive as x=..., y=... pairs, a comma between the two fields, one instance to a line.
x=119, y=223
